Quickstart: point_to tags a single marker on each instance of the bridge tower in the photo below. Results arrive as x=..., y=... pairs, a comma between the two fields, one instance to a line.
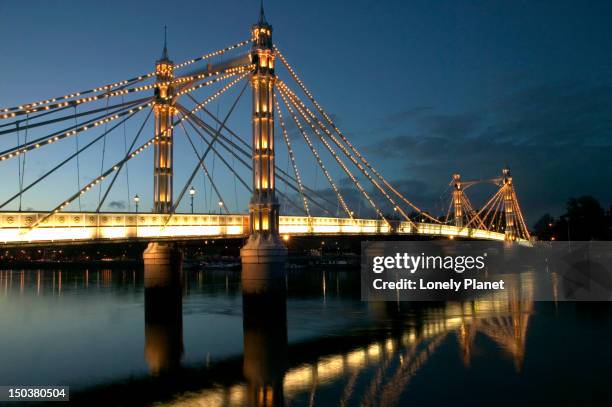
x=160, y=255
x=163, y=109
x=457, y=195
x=509, y=215
x=264, y=254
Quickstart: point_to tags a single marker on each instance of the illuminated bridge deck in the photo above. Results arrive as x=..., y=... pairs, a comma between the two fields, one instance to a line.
x=15, y=227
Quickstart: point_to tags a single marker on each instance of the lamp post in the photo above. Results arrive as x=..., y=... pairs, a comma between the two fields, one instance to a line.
x=220, y=206
x=136, y=202
x=192, y=193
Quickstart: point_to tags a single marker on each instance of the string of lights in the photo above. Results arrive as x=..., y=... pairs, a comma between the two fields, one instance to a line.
x=315, y=153
x=50, y=103
x=488, y=207
x=126, y=91
x=134, y=140
x=133, y=154
x=517, y=209
x=201, y=160
x=30, y=123
x=212, y=54
x=247, y=153
x=203, y=165
x=345, y=139
x=292, y=156
x=470, y=211
x=214, y=150
x=497, y=214
x=183, y=79
x=346, y=152
x=54, y=137
x=230, y=72
x=87, y=126
x=69, y=158
x=224, y=142
x=338, y=159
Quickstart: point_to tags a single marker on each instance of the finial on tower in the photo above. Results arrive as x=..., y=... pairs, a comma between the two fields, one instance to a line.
x=165, y=51
x=262, y=16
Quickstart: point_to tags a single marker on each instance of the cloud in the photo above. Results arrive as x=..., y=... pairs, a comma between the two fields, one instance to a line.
x=117, y=204
x=407, y=114
x=556, y=137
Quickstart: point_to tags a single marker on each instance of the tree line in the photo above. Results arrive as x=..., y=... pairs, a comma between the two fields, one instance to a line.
x=584, y=219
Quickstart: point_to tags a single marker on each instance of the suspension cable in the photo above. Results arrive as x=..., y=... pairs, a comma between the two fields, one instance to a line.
x=127, y=167
x=212, y=183
x=19, y=166
x=78, y=163
x=71, y=116
x=213, y=54
x=338, y=160
x=86, y=125
x=296, y=100
x=314, y=151
x=132, y=155
x=103, y=155
x=234, y=155
x=292, y=157
x=316, y=155
x=322, y=126
x=206, y=127
x=189, y=181
x=50, y=103
x=345, y=139
x=71, y=131
x=94, y=182
x=222, y=142
x=101, y=202
x=61, y=164
x=517, y=210
x=489, y=205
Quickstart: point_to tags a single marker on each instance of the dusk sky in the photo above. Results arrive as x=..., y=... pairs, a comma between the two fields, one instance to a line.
x=423, y=88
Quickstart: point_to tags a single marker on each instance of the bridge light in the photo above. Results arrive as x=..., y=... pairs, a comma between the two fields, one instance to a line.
x=192, y=192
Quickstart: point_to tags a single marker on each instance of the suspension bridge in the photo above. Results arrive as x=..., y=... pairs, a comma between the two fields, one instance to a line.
x=177, y=96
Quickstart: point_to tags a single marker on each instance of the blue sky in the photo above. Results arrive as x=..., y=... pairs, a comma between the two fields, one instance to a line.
x=423, y=88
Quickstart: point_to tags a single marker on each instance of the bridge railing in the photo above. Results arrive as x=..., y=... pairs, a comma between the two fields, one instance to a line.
x=15, y=227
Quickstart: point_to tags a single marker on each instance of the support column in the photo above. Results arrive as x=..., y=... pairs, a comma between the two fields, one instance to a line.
x=161, y=255
x=264, y=254
x=509, y=215
x=163, y=109
x=457, y=194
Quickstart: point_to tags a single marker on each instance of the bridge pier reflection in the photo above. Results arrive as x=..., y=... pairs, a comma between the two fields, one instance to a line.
x=163, y=315
x=264, y=308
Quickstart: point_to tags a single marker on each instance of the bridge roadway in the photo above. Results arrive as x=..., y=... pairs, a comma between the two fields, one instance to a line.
x=82, y=227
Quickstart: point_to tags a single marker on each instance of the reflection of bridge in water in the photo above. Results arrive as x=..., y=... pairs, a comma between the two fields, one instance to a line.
x=276, y=370
x=395, y=359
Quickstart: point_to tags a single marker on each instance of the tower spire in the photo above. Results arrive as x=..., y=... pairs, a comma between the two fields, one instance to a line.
x=165, y=51
x=262, y=16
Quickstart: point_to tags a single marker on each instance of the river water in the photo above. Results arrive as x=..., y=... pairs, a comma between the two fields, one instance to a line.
x=206, y=342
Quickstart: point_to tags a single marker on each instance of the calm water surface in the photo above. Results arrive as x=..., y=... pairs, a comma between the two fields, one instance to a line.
x=208, y=342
